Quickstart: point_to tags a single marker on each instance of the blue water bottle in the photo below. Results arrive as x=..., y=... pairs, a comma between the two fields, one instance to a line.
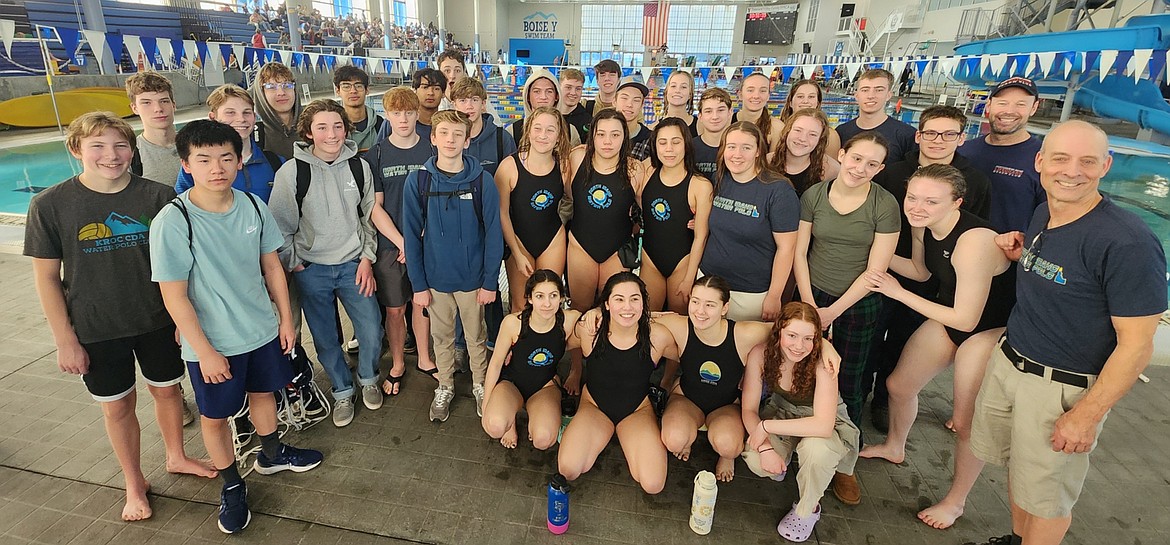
x=558, y=504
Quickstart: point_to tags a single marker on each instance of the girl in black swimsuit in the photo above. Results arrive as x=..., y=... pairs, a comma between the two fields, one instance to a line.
x=531, y=183
x=679, y=96
x=676, y=202
x=712, y=353
x=622, y=352
x=964, y=323
x=524, y=375
x=802, y=154
x=603, y=188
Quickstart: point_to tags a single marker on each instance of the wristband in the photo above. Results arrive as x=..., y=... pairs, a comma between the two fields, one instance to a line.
x=765, y=450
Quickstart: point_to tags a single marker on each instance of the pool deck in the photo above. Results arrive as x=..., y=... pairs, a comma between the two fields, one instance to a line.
x=394, y=477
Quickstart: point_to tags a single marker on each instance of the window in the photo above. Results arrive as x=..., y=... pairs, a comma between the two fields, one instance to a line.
x=813, y=8
x=699, y=30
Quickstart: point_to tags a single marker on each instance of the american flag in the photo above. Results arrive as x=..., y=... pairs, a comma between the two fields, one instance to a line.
x=654, y=21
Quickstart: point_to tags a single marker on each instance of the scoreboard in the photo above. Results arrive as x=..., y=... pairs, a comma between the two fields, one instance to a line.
x=770, y=26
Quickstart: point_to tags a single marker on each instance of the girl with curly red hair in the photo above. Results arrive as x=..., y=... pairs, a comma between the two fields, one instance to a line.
x=804, y=414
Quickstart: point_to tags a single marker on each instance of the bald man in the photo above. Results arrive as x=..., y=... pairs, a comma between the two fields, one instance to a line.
x=1091, y=286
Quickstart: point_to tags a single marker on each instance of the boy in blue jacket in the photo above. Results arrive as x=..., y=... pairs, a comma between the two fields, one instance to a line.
x=454, y=270
x=231, y=105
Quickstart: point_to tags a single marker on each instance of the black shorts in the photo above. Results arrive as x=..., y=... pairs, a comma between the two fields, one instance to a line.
x=111, y=363
x=265, y=369
x=390, y=275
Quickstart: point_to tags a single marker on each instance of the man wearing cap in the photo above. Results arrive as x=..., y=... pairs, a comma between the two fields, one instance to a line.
x=607, y=72
x=1007, y=154
x=1090, y=289
x=628, y=101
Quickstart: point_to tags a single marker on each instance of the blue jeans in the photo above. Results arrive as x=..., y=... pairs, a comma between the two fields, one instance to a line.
x=321, y=286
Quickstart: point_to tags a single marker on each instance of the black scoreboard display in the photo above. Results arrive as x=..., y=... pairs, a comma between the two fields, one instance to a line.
x=770, y=27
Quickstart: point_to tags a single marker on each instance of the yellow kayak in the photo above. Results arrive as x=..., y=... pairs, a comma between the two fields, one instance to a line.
x=37, y=110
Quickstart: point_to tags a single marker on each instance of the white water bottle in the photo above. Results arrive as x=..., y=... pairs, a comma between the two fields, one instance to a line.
x=703, y=503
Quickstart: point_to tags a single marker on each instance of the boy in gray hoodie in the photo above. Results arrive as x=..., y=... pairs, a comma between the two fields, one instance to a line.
x=322, y=200
x=278, y=107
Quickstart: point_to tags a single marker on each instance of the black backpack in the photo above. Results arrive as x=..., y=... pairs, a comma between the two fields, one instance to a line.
x=304, y=175
x=177, y=202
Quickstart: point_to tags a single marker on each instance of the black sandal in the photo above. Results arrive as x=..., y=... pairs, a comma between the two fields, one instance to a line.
x=433, y=372
x=394, y=383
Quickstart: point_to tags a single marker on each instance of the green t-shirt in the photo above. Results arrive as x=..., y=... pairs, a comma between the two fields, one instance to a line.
x=225, y=284
x=839, y=250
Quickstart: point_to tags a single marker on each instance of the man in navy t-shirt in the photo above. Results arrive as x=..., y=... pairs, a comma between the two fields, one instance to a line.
x=1090, y=290
x=873, y=93
x=1007, y=155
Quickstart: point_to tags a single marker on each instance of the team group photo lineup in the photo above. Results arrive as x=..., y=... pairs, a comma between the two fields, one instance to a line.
x=642, y=260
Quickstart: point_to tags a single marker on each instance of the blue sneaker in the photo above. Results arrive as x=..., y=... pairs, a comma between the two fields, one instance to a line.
x=233, y=508
x=296, y=459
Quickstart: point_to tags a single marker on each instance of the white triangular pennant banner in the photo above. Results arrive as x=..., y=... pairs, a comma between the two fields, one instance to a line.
x=191, y=51
x=238, y=51
x=134, y=48
x=851, y=68
x=7, y=32
x=313, y=57
x=97, y=42
x=896, y=68
x=1069, y=62
x=995, y=62
x=286, y=57
x=946, y=65
x=167, y=52
x=1139, y=62
x=343, y=60
x=1046, y=59
x=1105, y=63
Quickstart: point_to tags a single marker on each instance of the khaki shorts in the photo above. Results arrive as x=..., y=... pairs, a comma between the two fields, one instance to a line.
x=1015, y=414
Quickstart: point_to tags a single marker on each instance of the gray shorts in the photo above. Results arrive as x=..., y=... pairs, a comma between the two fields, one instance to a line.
x=393, y=284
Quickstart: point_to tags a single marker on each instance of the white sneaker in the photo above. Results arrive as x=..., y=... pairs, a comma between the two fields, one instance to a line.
x=352, y=346
x=477, y=391
x=343, y=412
x=441, y=405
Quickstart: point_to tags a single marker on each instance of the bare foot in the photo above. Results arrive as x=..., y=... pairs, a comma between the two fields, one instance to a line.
x=884, y=451
x=683, y=454
x=950, y=424
x=573, y=383
x=509, y=438
x=191, y=466
x=725, y=469
x=137, y=505
x=940, y=516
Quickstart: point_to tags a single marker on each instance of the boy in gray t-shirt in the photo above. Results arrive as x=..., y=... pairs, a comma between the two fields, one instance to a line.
x=214, y=258
x=153, y=100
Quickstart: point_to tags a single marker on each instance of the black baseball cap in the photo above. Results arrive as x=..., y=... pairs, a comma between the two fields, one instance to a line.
x=629, y=81
x=1019, y=82
x=608, y=66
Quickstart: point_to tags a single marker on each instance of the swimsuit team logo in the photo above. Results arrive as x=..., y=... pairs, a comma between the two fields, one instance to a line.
x=541, y=199
x=540, y=357
x=600, y=197
x=709, y=373
x=117, y=231
x=660, y=209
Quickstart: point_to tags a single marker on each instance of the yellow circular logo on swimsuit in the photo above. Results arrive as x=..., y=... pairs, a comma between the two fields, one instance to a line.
x=709, y=372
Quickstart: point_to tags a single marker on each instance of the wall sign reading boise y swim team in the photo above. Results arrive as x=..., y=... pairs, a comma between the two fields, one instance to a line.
x=540, y=26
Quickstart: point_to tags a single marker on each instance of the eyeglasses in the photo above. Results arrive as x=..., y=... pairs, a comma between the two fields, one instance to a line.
x=287, y=86
x=347, y=86
x=1032, y=251
x=949, y=136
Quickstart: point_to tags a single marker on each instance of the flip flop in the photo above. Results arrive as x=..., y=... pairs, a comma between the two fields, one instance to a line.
x=395, y=383
x=433, y=373
x=795, y=528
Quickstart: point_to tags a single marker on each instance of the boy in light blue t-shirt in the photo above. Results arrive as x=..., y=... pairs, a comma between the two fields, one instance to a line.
x=213, y=253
